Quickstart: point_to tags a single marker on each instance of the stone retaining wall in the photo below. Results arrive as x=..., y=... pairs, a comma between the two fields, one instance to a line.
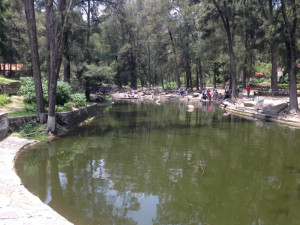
x=71, y=119
x=10, y=89
x=16, y=122
x=4, y=125
x=68, y=120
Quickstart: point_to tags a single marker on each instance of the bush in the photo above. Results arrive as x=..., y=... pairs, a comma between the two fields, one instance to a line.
x=63, y=93
x=4, y=99
x=67, y=107
x=30, y=108
x=79, y=100
x=28, y=90
x=33, y=130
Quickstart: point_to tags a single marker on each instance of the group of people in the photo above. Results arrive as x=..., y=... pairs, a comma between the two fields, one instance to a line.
x=183, y=92
x=207, y=95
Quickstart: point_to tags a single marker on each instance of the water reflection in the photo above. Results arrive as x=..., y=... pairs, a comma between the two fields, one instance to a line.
x=150, y=164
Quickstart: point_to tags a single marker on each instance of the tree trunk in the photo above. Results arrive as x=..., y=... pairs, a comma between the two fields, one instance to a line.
x=200, y=74
x=55, y=38
x=197, y=79
x=225, y=19
x=216, y=73
x=52, y=82
x=35, y=62
x=67, y=64
x=10, y=70
x=88, y=21
x=244, y=75
x=175, y=59
x=291, y=31
x=133, y=72
x=232, y=72
x=223, y=77
x=87, y=89
x=274, y=82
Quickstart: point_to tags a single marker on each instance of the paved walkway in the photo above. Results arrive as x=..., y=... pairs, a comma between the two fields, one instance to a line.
x=17, y=204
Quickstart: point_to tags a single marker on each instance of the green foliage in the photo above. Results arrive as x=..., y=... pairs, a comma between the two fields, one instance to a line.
x=30, y=108
x=66, y=107
x=28, y=90
x=284, y=79
x=6, y=80
x=256, y=80
x=63, y=93
x=285, y=86
x=4, y=99
x=79, y=99
x=171, y=84
x=32, y=130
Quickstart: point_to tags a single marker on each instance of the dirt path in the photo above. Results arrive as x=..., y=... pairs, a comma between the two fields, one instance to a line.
x=15, y=105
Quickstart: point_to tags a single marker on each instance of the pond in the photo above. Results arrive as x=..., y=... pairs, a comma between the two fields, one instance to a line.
x=159, y=164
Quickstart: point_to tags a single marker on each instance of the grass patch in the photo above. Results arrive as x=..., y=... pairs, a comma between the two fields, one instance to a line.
x=33, y=130
x=4, y=100
x=6, y=80
x=20, y=113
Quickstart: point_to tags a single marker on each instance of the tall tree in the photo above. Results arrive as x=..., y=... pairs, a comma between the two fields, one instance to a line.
x=56, y=25
x=289, y=13
x=272, y=29
x=227, y=12
x=35, y=60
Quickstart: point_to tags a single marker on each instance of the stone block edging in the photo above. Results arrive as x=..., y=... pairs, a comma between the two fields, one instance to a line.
x=266, y=117
x=17, y=204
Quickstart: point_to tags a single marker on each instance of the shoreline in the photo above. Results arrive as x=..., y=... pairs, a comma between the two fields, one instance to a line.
x=260, y=116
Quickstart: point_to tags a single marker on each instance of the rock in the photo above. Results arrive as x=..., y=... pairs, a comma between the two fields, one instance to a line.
x=250, y=103
x=274, y=108
x=195, y=95
x=11, y=88
x=4, y=125
x=259, y=106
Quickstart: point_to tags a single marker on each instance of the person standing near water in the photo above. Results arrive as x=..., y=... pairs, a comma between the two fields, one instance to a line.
x=248, y=91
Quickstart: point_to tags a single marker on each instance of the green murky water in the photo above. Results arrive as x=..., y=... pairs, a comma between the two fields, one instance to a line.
x=159, y=164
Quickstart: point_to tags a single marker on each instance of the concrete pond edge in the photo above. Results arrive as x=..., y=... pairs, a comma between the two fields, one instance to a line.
x=263, y=117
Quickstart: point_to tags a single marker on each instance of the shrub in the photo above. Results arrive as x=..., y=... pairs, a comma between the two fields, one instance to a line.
x=79, y=100
x=28, y=90
x=4, y=99
x=63, y=93
x=30, y=108
x=33, y=130
x=67, y=107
